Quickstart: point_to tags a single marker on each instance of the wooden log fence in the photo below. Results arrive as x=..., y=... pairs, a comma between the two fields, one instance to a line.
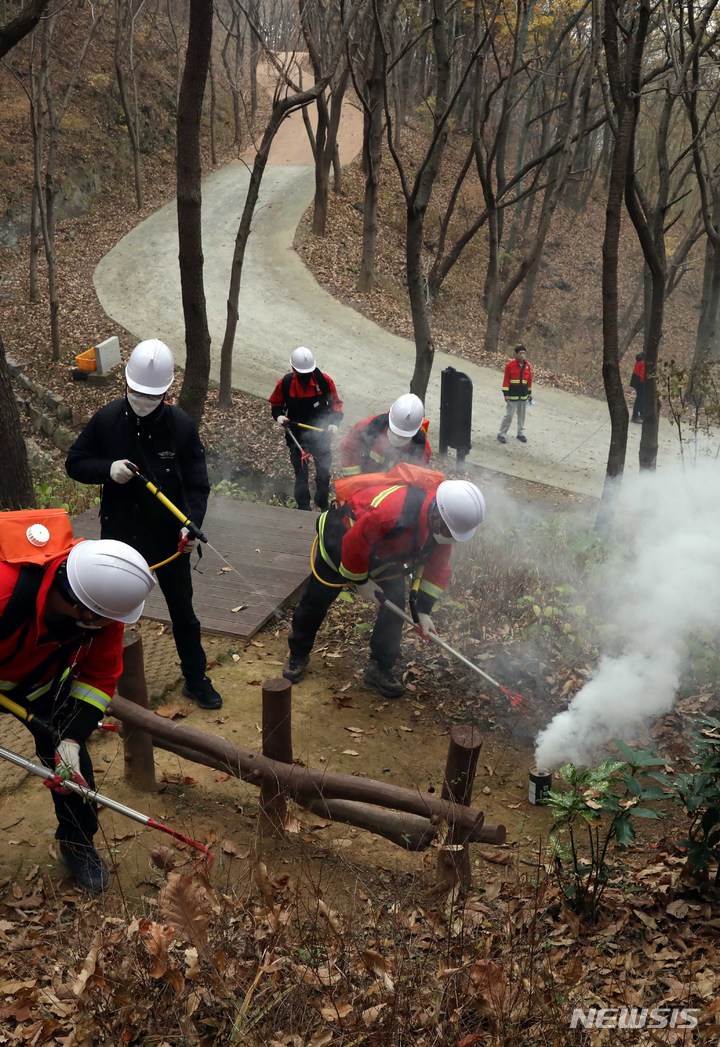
x=407, y=817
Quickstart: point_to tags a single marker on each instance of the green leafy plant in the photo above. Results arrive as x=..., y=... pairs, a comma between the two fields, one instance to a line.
x=692, y=398
x=699, y=793
x=594, y=811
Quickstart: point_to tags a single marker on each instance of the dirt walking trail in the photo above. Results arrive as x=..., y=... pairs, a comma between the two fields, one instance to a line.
x=281, y=305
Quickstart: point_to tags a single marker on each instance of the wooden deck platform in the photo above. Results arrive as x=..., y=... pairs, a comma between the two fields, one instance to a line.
x=268, y=547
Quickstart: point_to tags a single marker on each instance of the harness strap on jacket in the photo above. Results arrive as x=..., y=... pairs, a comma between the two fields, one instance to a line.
x=319, y=377
x=20, y=608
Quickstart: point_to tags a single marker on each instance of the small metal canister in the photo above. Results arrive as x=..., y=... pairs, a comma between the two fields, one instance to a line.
x=539, y=786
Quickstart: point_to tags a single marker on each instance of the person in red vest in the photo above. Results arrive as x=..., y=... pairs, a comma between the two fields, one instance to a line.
x=517, y=390
x=377, y=443
x=61, y=630
x=307, y=397
x=637, y=382
x=373, y=541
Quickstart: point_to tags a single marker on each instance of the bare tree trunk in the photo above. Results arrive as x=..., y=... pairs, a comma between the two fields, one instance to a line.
x=35, y=234
x=189, y=207
x=124, y=32
x=625, y=95
x=234, y=43
x=280, y=111
x=213, y=114
x=16, y=488
x=372, y=162
x=11, y=33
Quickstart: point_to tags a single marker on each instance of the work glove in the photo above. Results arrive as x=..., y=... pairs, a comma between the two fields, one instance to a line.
x=282, y=420
x=371, y=592
x=426, y=625
x=332, y=429
x=187, y=543
x=67, y=767
x=121, y=472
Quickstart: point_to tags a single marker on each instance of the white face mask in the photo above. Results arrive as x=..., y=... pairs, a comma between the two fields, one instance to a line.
x=443, y=539
x=141, y=405
x=397, y=441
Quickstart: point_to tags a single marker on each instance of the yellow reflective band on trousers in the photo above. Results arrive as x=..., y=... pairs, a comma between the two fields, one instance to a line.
x=322, y=520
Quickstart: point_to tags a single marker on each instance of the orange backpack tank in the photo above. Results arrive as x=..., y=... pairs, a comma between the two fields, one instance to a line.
x=403, y=473
x=35, y=536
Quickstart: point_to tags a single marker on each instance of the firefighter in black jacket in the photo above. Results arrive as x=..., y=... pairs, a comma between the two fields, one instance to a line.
x=306, y=403
x=162, y=441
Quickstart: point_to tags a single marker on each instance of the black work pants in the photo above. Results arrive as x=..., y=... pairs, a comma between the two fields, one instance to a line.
x=319, y=448
x=637, y=411
x=77, y=818
x=175, y=581
x=317, y=600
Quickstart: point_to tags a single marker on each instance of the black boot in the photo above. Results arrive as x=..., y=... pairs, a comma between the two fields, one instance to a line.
x=202, y=692
x=382, y=680
x=86, y=865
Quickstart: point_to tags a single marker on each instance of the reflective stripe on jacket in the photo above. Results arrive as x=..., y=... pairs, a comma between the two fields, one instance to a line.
x=96, y=660
x=374, y=546
x=517, y=384
x=366, y=449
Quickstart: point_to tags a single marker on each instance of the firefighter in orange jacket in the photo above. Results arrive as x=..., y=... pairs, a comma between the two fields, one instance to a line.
x=378, y=443
x=306, y=396
x=517, y=390
x=373, y=541
x=60, y=659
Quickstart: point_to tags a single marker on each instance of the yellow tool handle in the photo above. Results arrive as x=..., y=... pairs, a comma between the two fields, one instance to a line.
x=15, y=709
x=167, y=503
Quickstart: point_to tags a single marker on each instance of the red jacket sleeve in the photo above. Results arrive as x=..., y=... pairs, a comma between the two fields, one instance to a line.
x=506, y=379
x=350, y=448
x=335, y=401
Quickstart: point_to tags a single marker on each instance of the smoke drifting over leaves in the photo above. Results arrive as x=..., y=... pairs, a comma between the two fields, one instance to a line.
x=659, y=592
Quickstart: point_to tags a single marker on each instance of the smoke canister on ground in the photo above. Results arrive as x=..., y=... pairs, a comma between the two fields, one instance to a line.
x=540, y=784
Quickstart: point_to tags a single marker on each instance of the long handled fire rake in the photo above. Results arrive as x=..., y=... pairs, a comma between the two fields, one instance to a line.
x=513, y=698
x=88, y=794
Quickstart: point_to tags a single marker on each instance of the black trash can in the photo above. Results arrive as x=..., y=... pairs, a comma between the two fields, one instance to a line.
x=456, y=392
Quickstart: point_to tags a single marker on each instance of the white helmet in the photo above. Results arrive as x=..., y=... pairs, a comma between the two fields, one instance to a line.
x=150, y=368
x=461, y=506
x=110, y=578
x=406, y=415
x=302, y=360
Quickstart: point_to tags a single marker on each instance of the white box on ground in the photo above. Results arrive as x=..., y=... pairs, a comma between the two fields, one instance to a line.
x=107, y=355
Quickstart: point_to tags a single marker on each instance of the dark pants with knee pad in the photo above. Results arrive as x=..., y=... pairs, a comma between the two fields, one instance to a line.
x=77, y=818
x=318, y=598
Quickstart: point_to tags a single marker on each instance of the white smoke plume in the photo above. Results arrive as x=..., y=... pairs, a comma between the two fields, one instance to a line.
x=661, y=590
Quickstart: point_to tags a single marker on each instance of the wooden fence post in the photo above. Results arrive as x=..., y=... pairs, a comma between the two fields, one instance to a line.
x=453, y=865
x=137, y=744
x=276, y=745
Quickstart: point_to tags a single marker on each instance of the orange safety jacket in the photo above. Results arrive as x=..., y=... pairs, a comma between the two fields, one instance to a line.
x=517, y=384
x=375, y=546
x=29, y=668
x=366, y=449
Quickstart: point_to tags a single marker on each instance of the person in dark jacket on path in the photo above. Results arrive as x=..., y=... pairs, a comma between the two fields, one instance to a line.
x=378, y=443
x=163, y=442
x=306, y=396
x=517, y=390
